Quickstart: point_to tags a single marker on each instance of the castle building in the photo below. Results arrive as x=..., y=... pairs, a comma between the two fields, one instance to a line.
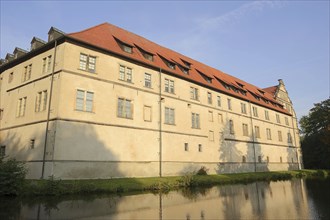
x=106, y=103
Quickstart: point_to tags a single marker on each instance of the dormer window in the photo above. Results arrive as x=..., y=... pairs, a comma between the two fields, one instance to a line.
x=168, y=63
x=184, y=70
x=188, y=65
x=262, y=92
x=145, y=54
x=125, y=47
x=240, y=84
x=207, y=78
x=148, y=56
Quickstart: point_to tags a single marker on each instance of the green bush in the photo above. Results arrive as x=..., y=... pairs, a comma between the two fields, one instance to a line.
x=202, y=171
x=12, y=175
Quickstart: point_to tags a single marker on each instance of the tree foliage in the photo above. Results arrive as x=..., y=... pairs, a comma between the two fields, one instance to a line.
x=12, y=175
x=315, y=143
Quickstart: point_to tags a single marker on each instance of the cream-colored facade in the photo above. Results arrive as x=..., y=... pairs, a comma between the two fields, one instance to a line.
x=107, y=123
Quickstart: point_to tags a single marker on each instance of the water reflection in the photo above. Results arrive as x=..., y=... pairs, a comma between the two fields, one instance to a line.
x=295, y=199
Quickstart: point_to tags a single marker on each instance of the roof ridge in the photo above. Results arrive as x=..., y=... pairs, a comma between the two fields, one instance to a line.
x=87, y=29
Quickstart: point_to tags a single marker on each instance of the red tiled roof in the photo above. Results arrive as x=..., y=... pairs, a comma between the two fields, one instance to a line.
x=104, y=36
x=272, y=90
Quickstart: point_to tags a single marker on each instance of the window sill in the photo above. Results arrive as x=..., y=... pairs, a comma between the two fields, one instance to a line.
x=125, y=81
x=169, y=124
x=77, y=110
x=87, y=71
x=124, y=117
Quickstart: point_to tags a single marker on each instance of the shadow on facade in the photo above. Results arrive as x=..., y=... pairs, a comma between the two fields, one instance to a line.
x=78, y=153
x=232, y=156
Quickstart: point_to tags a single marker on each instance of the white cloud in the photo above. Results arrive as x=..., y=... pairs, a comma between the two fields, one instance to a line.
x=239, y=14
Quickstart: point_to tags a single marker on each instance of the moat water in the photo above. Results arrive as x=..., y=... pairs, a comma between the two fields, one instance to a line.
x=295, y=199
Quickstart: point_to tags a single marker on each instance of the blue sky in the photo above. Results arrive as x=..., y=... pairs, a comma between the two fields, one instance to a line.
x=257, y=41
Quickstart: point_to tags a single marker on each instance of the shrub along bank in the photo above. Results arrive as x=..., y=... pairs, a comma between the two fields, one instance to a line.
x=127, y=185
x=12, y=182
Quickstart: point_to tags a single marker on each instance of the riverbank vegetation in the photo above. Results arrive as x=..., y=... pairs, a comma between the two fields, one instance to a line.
x=53, y=187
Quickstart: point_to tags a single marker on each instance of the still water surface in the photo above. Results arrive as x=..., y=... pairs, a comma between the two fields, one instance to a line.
x=295, y=199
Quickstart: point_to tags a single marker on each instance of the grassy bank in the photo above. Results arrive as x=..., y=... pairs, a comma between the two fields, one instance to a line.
x=128, y=185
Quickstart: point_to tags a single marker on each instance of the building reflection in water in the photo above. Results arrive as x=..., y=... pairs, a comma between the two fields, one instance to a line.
x=261, y=200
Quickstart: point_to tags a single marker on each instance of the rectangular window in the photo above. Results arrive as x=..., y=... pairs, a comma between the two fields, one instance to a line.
x=186, y=147
x=259, y=159
x=231, y=127
x=169, y=86
x=169, y=116
x=32, y=142
x=147, y=80
x=269, y=134
x=219, y=101
x=21, y=106
x=255, y=111
x=125, y=74
x=286, y=120
x=87, y=63
x=210, y=116
x=195, y=120
x=44, y=65
x=147, y=113
x=49, y=63
x=279, y=133
x=245, y=130
x=266, y=115
x=193, y=93
x=84, y=100
x=27, y=73
x=257, y=131
x=41, y=101
x=229, y=104
x=125, y=108
x=211, y=136
x=209, y=98
x=278, y=119
x=281, y=160
x=243, y=108
x=220, y=119
x=289, y=138
x=11, y=77
x=243, y=159
x=2, y=151
x=1, y=113
x=200, y=148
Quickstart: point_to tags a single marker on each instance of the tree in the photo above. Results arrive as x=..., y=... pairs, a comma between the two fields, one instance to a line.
x=315, y=128
x=12, y=175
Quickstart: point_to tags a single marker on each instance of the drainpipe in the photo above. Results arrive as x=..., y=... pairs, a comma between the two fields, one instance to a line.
x=253, y=138
x=160, y=123
x=48, y=113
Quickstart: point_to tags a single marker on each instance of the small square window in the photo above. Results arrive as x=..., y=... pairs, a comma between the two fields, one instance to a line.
x=186, y=147
x=200, y=148
x=32, y=142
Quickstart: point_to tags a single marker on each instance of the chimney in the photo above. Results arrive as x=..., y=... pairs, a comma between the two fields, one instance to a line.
x=18, y=52
x=36, y=43
x=54, y=33
x=281, y=82
x=9, y=57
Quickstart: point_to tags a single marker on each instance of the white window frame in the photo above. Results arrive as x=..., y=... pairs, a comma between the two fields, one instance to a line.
x=169, y=86
x=195, y=120
x=124, y=108
x=169, y=116
x=147, y=80
x=87, y=63
x=194, y=93
x=86, y=101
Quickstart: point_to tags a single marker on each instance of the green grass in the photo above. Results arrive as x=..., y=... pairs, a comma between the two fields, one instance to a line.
x=130, y=185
